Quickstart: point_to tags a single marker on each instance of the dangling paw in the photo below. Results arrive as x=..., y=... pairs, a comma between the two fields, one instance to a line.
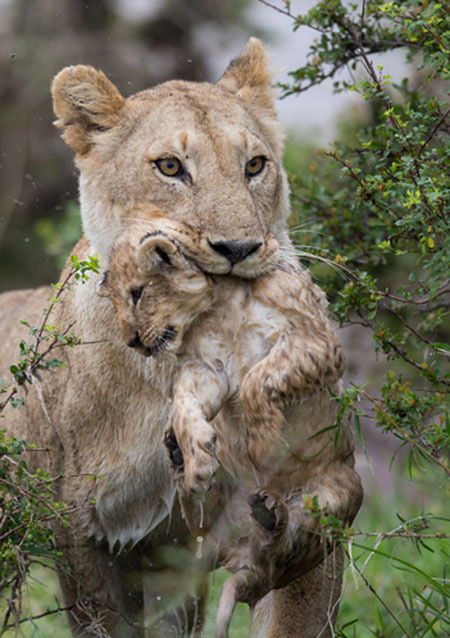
x=201, y=463
x=269, y=510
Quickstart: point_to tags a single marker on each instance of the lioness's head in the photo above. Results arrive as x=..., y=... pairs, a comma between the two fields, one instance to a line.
x=211, y=154
x=156, y=289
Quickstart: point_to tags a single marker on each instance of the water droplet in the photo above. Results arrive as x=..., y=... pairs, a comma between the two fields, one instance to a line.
x=189, y=60
x=198, y=553
x=158, y=597
x=201, y=515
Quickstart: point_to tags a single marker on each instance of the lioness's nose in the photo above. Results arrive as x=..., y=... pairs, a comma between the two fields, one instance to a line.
x=235, y=250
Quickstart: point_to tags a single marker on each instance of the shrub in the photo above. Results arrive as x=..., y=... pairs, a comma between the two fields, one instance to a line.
x=27, y=503
x=375, y=208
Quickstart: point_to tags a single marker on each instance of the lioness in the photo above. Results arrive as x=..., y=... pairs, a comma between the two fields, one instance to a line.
x=247, y=351
x=211, y=156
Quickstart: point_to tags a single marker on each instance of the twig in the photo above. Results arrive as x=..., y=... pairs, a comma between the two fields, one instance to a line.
x=8, y=399
x=418, y=302
x=346, y=165
x=45, y=613
x=431, y=32
x=402, y=353
x=433, y=131
x=416, y=173
x=363, y=14
x=380, y=600
x=273, y=6
x=32, y=495
x=434, y=457
x=414, y=331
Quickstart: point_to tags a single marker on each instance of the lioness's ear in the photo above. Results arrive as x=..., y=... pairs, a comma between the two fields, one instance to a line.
x=249, y=76
x=84, y=100
x=157, y=251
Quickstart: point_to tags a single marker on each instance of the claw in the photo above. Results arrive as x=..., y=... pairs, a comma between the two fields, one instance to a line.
x=174, y=450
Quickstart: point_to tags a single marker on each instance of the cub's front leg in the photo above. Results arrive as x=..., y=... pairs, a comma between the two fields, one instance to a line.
x=200, y=393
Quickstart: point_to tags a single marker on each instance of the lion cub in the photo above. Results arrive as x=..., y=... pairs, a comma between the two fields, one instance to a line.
x=255, y=359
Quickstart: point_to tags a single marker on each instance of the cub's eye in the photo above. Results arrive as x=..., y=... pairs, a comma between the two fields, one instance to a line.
x=170, y=166
x=136, y=294
x=255, y=166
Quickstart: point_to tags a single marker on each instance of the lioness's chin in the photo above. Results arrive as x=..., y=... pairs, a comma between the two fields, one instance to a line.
x=247, y=271
x=244, y=271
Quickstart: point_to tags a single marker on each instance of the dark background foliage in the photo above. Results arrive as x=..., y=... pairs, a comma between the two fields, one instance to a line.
x=37, y=177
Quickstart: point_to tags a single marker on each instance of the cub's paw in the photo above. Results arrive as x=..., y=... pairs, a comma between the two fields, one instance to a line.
x=200, y=462
x=269, y=510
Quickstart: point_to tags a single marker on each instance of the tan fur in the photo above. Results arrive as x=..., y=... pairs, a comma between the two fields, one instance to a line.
x=268, y=343
x=212, y=129
x=104, y=415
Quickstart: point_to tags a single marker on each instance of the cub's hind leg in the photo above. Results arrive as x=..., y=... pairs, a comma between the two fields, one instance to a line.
x=293, y=370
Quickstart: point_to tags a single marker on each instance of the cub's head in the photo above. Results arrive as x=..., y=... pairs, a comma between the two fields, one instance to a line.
x=211, y=154
x=156, y=289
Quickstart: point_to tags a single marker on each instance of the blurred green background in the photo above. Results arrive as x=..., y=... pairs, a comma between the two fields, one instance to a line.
x=137, y=44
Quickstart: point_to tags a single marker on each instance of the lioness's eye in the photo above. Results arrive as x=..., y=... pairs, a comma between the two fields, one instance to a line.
x=136, y=294
x=255, y=166
x=170, y=166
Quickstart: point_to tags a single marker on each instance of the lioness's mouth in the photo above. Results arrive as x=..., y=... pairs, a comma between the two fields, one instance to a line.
x=160, y=342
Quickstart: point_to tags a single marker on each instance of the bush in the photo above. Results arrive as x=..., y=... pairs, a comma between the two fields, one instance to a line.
x=371, y=217
x=28, y=508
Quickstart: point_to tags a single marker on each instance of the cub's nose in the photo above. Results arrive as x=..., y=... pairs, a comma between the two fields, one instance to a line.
x=135, y=342
x=235, y=250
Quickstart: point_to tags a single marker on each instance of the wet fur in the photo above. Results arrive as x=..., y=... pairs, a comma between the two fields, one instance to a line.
x=249, y=396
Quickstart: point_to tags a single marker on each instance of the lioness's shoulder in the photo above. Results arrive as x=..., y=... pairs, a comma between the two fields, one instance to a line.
x=82, y=249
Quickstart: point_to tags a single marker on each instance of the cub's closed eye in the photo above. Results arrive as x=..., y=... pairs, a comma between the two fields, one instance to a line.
x=255, y=166
x=136, y=294
x=170, y=167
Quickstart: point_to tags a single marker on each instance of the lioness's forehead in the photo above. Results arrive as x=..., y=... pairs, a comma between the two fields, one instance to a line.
x=177, y=104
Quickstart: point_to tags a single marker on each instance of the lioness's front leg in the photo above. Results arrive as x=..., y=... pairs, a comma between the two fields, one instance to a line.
x=200, y=393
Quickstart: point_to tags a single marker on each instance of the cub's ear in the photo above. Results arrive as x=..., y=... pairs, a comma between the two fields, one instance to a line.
x=157, y=252
x=102, y=288
x=84, y=100
x=249, y=76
